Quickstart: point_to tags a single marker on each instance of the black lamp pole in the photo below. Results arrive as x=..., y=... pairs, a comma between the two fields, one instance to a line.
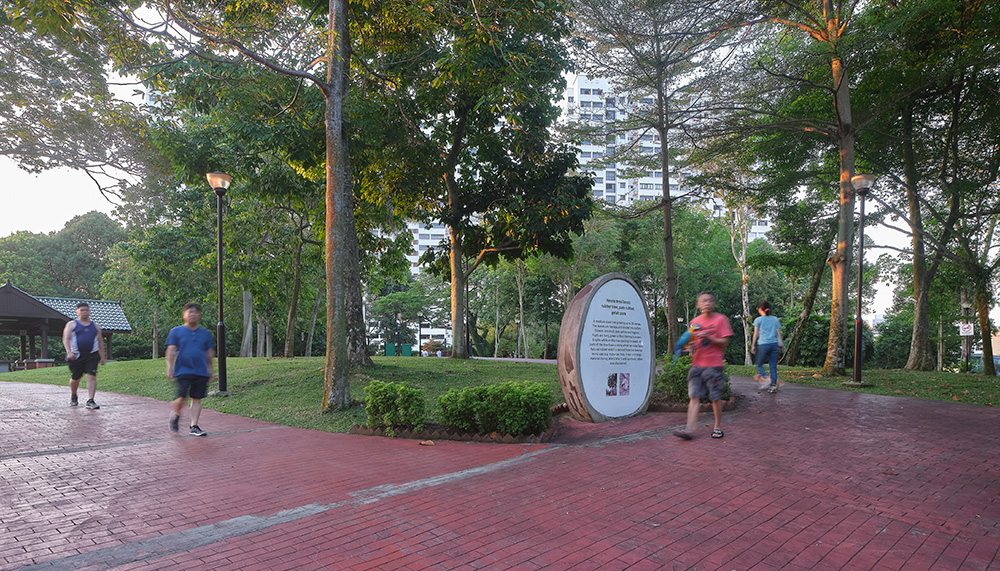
x=219, y=183
x=862, y=184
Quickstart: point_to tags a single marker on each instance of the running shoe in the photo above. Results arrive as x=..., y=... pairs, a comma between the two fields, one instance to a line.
x=196, y=431
x=92, y=405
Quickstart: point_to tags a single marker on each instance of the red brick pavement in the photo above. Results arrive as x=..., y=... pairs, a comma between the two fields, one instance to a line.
x=804, y=479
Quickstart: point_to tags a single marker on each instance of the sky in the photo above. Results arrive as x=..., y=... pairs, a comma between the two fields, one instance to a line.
x=45, y=202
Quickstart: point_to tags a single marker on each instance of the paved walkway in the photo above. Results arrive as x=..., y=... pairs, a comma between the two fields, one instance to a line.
x=805, y=479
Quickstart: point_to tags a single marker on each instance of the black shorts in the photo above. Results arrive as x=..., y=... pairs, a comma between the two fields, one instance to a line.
x=85, y=364
x=195, y=386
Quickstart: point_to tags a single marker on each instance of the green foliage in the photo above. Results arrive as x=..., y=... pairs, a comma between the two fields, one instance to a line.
x=394, y=406
x=509, y=408
x=672, y=385
x=68, y=263
x=816, y=335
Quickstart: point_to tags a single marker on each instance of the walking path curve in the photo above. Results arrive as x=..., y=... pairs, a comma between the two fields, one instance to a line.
x=806, y=478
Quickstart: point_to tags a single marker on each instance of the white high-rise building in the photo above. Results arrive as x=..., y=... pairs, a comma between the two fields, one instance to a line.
x=591, y=100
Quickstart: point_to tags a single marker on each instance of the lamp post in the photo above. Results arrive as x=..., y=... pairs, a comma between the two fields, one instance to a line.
x=862, y=183
x=219, y=183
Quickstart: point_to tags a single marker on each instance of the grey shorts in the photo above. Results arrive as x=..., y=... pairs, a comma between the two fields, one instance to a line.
x=706, y=382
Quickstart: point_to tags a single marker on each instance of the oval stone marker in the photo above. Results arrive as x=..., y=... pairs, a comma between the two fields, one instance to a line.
x=606, y=351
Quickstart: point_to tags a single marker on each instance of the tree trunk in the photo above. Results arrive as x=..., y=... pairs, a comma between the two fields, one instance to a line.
x=669, y=270
x=269, y=332
x=246, y=346
x=312, y=322
x=982, y=302
x=261, y=335
x=840, y=262
x=521, y=337
x=921, y=352
x=293, y=303
x=795, y=340
x=339, y=217
x=496, y=325
x=738, y=231
x=459, y=350
x=156, y=339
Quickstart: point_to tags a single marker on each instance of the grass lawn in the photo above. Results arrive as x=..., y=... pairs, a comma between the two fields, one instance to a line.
x=289, y=391
x=958, y=387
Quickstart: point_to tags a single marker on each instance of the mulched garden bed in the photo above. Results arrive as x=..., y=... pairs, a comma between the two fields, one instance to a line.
x=441, y=432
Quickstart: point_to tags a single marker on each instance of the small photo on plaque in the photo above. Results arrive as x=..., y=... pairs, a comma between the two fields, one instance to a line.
x=612, y=385
x=623, y=384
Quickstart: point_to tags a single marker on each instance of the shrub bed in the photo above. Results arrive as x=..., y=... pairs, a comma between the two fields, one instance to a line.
x=509, y=408
x=394, y=406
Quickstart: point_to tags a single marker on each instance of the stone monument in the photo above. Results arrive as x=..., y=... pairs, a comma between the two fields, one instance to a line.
x=606, y=354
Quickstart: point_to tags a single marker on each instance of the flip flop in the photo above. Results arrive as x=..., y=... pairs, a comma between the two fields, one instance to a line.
x=717, y=433
x=682, y=434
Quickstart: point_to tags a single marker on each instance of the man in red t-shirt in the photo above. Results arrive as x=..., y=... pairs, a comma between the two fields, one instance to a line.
x=705, y=378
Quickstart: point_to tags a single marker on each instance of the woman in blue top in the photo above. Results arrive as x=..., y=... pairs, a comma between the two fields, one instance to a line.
x=767, y=344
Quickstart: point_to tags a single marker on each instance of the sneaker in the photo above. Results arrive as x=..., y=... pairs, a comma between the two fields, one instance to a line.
x=196, y=431
x=772, y=389
x=73, y=400
x=174, y=419
x=92, y=405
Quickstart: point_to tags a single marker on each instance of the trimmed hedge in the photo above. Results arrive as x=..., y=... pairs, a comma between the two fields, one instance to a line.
x=394, y=406
x=509, y=408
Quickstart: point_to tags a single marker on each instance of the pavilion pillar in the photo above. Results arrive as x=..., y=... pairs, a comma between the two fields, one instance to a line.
x=24, y=345
x=45, y=340
x=31, y=346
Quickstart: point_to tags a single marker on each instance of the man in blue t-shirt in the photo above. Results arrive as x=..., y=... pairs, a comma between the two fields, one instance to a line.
x=84, y=351
x=190, y=351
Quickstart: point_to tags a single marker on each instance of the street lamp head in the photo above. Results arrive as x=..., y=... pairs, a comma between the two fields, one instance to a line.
x=862, y=183
x=219, y=181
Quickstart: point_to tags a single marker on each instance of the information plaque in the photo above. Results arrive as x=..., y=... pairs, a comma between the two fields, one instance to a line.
x=606, y=362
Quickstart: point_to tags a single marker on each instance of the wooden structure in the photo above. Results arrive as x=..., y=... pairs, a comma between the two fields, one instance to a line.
x=41, y=318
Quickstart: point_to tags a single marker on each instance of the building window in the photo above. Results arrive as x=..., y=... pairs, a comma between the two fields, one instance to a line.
x=645, y=186
x=585, y=155
x=584, y=92
x=598, y=104
x=425, y=236
x=621, y=185
x=610, y=175
x=609, y=115
x=599, y=92
x=585, y=116
x=610, y=187
x=610, y=101
x=570, y=99
x=585, y=104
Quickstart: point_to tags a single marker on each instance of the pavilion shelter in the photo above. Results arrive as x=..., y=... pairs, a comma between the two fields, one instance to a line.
x=39, y=318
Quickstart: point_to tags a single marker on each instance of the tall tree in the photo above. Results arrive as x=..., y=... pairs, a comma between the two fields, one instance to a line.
x=936, y=141
x=655, y=54
x=472, y=85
